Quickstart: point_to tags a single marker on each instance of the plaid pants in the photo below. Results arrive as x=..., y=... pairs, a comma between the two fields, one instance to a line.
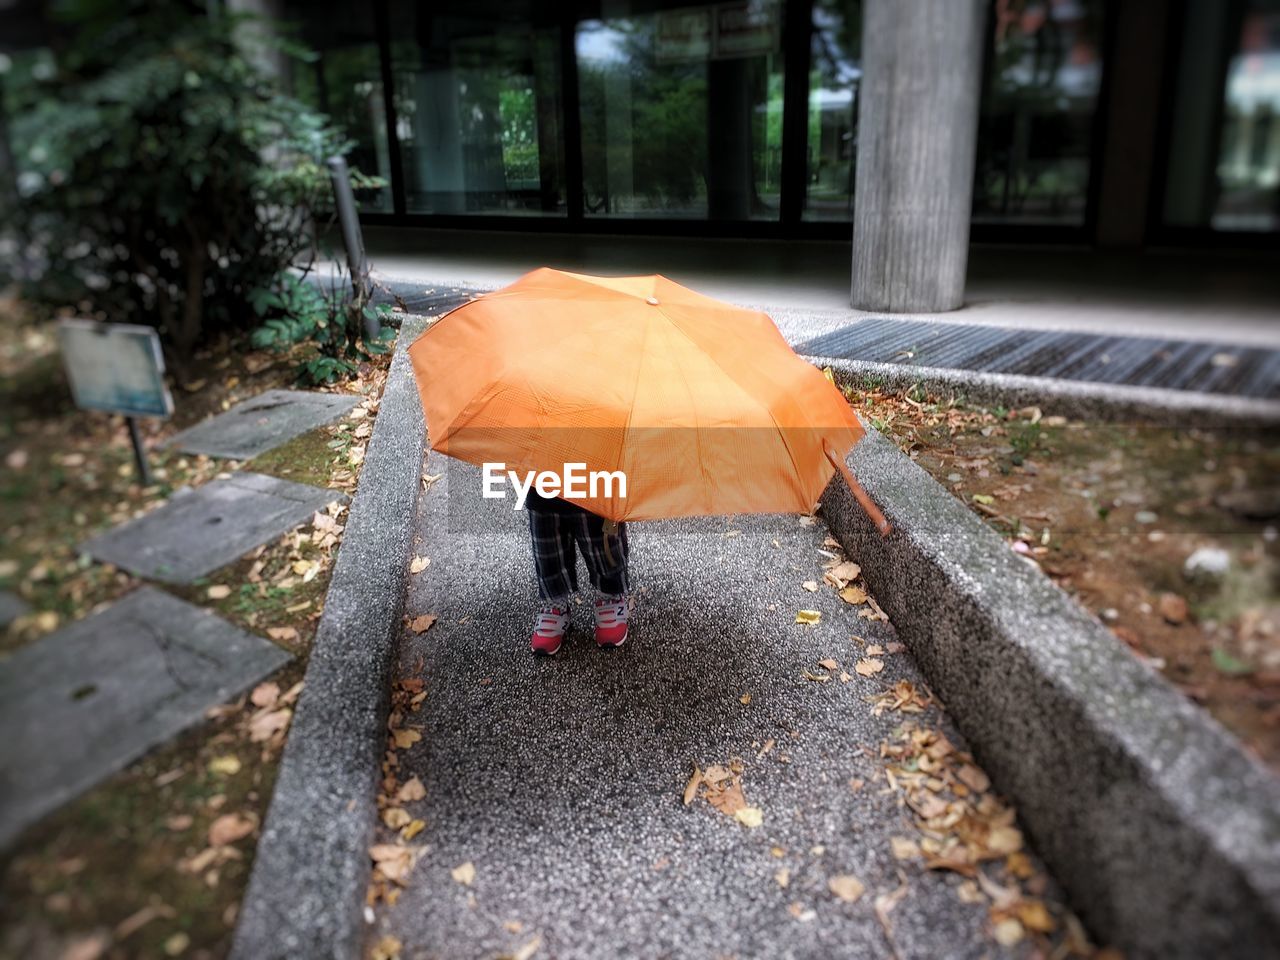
x=554, y=559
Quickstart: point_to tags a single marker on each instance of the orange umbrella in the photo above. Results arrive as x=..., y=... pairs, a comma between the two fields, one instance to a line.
x=680, y=405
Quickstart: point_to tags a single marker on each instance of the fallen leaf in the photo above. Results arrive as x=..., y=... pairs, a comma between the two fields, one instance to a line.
x=423, y=623
x=691, y=788
x=868, y=667
x=974, y=778
x=219, y=591
x=847, y=887
x=265, y=694
x=749, y=816
x=225, y=766
x=1035, y=916
x=829, y=664
x=810, y=585
x=1008, y=932
x=816, y=677
x=904, y=848
x=229, y=828
x=179, y=822
x=1173, y=608
x=282, y=633
x=875, y=650
x=418, y=564
x=405, y=738
x=177, y=944
x=846, y=570
x=854, y=595
x=808, y=616
x=782, y=878
x=1004, y=840
x=264, y=726
x=411, y=790
x=464, y=873
x=968, y=892
x=396, y=817
x=412, y=829
x=728, y=800
x=388, y=948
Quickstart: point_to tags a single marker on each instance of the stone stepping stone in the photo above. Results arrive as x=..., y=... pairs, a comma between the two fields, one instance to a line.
x=12, y=607
x=86, y=701
x=203, y=529
x=258, y=425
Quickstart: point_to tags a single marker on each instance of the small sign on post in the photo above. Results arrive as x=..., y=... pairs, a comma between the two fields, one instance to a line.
x=117, y=368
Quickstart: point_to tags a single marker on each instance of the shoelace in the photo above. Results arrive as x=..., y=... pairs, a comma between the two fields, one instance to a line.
x=550, y=622
x=611, y=613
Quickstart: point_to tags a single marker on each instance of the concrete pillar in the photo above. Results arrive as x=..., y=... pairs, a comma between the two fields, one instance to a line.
x=917, y=131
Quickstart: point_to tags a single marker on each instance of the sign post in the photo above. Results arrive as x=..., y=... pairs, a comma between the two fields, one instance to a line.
x=345, y=201
x=117, y=368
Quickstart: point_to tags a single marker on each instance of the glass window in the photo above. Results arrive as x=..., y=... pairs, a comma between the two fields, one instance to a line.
x=478, y=107
x=345, y=82
x=1043, y=72
x=834, y=73
x=681, y=110
x=1248, y=168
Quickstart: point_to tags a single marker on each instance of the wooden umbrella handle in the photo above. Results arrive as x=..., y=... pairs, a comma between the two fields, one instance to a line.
x=859, y=494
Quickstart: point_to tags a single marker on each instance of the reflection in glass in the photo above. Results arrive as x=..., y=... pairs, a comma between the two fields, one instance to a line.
x=1249, y=157
x=834, y=74
x=681, y=111
x=477, y=90
x=1041, y=90
x=345, y=82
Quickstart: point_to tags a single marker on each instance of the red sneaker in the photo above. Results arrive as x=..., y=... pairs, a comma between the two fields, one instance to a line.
x=611, y=621
x=549, y=631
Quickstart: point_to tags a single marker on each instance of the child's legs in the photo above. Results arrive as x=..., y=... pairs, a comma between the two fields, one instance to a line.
x=554, y=561
x=605, y=553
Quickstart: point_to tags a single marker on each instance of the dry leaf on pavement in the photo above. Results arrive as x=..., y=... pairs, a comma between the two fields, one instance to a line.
x=412, y=829
x=418, y=564
x=810, y=585
x=388, y=948
x=808, y=616
x=411, y=790
x=853, y=595
x=691, y=788
x=406, y=738
x=847, y=887
x=868, y=667
x=396, y=817
x=464, y=873
x=219, y=591
x=750, y=816
x=423, y=623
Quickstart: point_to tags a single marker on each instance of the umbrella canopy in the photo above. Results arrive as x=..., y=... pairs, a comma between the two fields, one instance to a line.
x=701, y=405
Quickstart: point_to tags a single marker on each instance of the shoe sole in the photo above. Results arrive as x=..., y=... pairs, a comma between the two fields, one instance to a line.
x=613, y=646
x=550, y=653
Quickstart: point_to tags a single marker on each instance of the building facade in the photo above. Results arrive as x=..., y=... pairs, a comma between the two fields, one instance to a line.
x=1110, y=122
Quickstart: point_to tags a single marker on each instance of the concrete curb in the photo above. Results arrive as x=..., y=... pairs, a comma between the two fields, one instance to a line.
x=1164, y=832
x=1070, y=398
x=312, y=865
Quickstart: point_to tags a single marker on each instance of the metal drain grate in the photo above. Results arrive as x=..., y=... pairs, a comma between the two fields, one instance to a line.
x=1097, y=358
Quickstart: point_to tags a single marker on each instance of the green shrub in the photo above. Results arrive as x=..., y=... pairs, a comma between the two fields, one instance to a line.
x=163, y=177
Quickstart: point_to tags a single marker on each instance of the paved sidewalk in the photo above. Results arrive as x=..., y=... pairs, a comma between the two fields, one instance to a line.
x=561, y=780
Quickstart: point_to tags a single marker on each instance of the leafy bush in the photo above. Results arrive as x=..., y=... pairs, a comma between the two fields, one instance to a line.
x=296, y=312
x=163, y=177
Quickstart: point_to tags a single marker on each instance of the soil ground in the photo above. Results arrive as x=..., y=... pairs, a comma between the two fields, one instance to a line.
x=1112, y=512
x=154, y=861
